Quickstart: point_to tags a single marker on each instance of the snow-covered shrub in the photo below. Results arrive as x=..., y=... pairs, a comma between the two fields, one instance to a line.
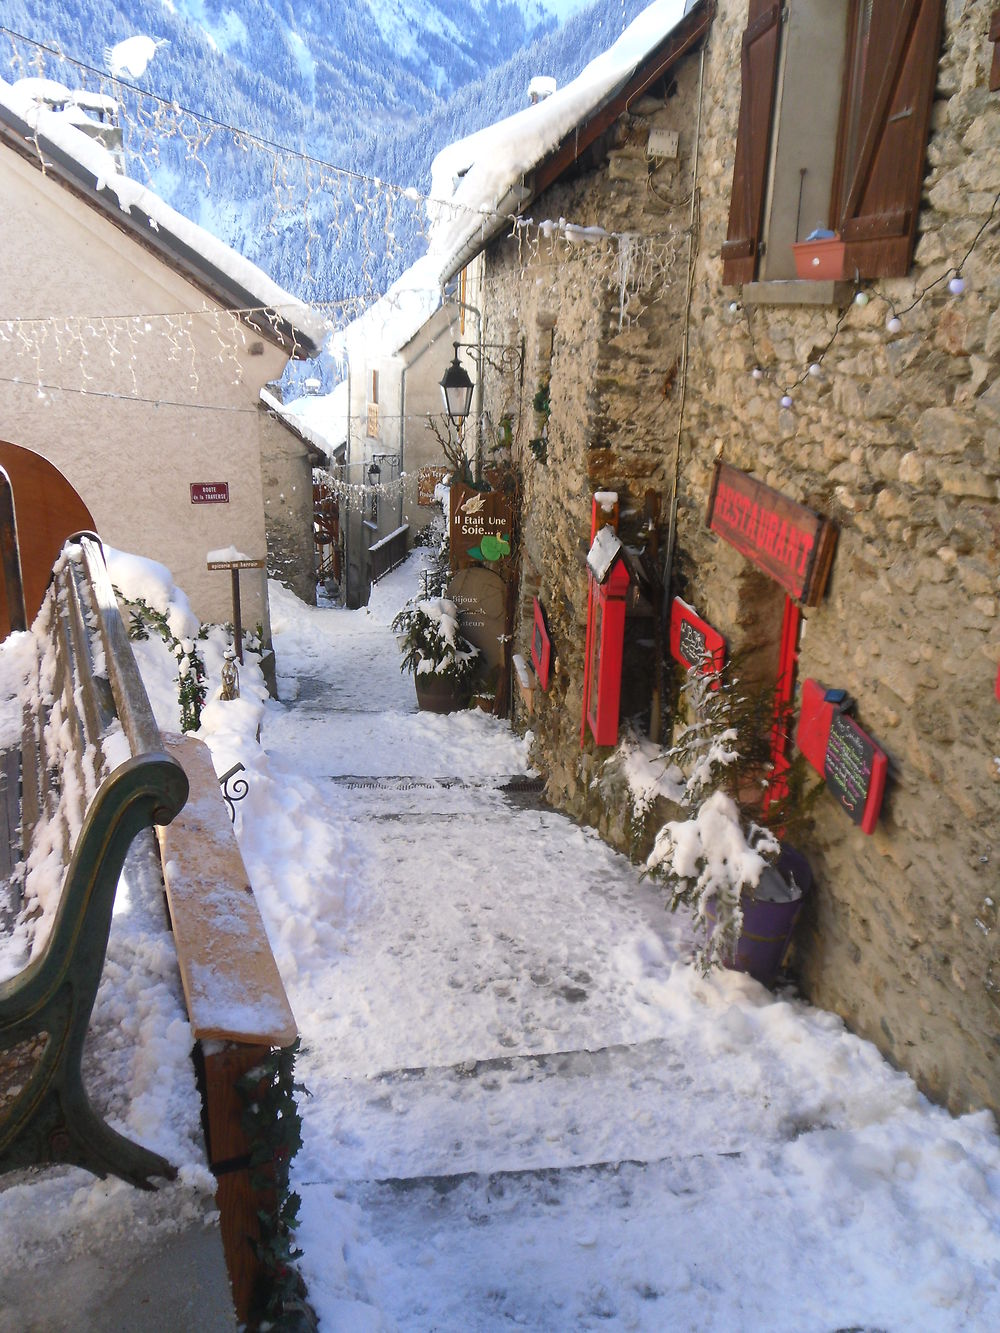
x=714, y=855
x=431, y=644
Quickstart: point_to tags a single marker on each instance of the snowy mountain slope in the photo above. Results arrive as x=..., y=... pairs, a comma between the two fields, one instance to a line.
x=375, y=87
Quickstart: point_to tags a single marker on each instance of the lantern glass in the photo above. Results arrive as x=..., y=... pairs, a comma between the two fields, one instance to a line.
x=456, y=389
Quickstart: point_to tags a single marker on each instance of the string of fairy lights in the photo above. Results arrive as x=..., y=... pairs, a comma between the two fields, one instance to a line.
x=333, y=201
x=329, y=199
x=896, y=308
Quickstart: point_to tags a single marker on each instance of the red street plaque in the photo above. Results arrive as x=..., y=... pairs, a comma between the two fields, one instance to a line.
x=784, y=539
x=210, y=492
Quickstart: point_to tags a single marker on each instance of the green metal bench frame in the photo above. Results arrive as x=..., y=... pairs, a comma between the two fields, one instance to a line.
x=45, y=1010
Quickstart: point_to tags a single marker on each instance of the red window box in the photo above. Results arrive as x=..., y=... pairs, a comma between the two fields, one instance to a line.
x=820, y=260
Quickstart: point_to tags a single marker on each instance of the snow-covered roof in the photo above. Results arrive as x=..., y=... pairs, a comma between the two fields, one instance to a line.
x=320, y=420
x=75, y=159
x=389, y=324
x=481, y=181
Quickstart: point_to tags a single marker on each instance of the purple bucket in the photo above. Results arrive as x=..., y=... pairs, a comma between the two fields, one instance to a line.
x=768, y=924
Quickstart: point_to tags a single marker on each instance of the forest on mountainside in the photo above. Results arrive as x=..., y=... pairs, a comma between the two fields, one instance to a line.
x=342, y=97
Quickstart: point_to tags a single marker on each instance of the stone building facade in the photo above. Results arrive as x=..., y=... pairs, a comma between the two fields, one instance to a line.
x=655, y=364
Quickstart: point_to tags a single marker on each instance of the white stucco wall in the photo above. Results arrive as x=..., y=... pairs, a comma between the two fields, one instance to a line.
x=170, y=401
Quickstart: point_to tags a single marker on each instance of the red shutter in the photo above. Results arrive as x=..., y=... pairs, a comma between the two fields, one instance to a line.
x=885, y=117
x=759, y=66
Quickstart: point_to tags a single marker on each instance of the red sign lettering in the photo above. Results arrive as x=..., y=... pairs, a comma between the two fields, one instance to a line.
x=784, y=539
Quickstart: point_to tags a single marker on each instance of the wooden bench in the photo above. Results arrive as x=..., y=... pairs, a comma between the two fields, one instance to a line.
x=238, y=1010
x=93, y=774
x=235, y=998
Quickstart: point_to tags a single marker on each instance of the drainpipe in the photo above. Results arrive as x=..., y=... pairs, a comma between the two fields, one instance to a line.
x=656, y=720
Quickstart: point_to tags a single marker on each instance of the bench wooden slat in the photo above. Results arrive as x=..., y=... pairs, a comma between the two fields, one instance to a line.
x=231, y=982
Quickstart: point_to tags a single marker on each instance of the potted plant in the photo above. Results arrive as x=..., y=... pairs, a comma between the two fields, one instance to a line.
x=722, y=858
x=441, y=660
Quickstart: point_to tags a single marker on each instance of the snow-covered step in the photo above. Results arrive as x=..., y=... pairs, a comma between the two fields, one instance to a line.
x=528, y=1113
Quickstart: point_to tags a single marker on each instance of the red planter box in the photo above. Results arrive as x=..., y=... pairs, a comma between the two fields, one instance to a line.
x=819, y=261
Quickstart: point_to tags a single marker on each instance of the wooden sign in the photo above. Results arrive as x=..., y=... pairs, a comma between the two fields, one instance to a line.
x=242, y=562
x=853, y=764
x=481, y=528
x=693, y=640
x=427, y=481
x=541, y=646
x=788, y=542
x=210, y=492
x=479, y=594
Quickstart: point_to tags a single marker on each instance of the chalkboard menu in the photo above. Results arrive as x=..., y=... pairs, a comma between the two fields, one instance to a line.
x=692, y=642
x=849, y=765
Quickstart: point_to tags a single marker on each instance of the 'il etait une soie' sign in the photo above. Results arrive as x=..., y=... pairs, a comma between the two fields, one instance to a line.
x=790, y=543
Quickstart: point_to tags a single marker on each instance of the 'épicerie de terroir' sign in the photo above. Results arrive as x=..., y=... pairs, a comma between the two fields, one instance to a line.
x=790, y=543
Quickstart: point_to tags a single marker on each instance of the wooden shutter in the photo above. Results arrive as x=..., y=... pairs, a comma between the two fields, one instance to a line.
x=893, y=52
x=759, y=66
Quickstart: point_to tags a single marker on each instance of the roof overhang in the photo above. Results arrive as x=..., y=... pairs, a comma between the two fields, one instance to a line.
x=683, y=37
x=219, y=286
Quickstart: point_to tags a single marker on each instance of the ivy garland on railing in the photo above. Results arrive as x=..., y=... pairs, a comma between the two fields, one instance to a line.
x=273, y=1127
x=191, y=688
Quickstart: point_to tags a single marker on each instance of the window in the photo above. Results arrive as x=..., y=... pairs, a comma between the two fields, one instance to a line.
x=834, y=116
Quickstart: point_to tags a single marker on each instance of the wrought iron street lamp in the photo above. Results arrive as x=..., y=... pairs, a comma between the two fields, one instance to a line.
x=456, y=389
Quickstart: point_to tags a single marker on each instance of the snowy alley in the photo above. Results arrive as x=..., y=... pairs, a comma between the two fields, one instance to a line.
x=525, y=1107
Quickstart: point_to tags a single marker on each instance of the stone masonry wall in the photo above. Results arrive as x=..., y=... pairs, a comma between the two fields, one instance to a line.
x=605, y=336
x=897, y=441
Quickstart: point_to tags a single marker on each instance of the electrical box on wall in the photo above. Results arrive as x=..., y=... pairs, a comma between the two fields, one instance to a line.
x=663, y=143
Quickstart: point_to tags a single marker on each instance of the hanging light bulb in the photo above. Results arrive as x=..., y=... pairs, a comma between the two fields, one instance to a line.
x=862, y=298
x=815, y=370
x=893, y=324
x=757, y=373
x=957, y=285
x=734, y=307
x=786, y=400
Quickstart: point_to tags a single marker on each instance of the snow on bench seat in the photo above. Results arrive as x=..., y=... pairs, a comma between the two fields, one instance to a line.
x=231, y=982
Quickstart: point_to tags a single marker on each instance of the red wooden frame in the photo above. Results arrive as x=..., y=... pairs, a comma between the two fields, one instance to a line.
x=853, y=764
x=605, y=652
x=784, y=695
x=693, y=639
x=541, y=646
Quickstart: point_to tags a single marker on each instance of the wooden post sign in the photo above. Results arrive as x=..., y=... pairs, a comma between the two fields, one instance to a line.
x=234, y=561
x=481, y=525
x=854, y=766
x=788, y=542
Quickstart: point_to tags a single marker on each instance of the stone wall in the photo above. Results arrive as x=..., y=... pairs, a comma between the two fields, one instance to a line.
x=286, y=477
x=897, y=440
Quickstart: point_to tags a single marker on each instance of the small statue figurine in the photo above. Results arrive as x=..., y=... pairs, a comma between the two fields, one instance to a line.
x=230, y=676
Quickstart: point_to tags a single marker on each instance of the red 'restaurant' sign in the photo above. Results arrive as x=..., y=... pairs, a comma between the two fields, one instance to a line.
x=788, y=542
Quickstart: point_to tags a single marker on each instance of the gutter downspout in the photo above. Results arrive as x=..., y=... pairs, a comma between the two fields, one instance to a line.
x=656, y=718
